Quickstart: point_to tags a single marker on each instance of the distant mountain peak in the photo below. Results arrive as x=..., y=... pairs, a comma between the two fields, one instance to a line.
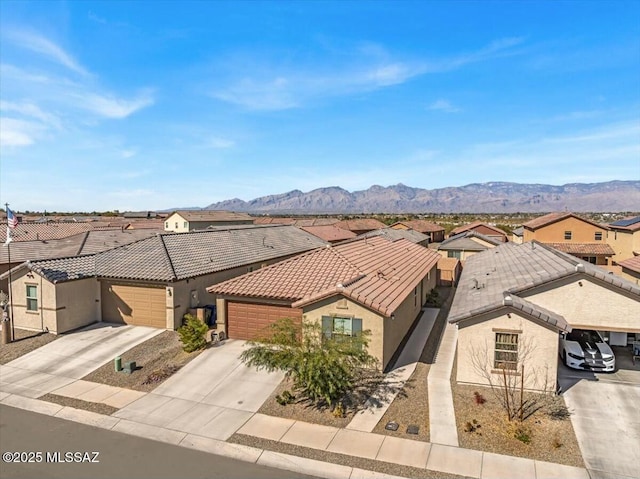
x=490, y=197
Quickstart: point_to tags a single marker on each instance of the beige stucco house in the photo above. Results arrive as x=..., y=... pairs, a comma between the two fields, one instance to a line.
x=484, y=229
x=434, y=231
x=373, y=284
x=513, y=300
x=152, y=282
x=571, y=234
x=466, y=244
x=194, y=220
x=624, y=237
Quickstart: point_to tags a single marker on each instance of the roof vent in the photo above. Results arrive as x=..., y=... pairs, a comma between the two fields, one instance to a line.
x=580, y=268
x=507, y=300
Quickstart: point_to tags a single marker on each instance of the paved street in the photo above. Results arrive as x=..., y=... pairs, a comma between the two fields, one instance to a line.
x=121, y=455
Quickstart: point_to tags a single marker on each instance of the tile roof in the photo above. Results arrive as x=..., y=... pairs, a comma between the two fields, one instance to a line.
x=270, y=220
x=394, y=234
x=464, y=241
x=516, y=268
x=361, y=224
x=422, y=226
x=43, y=231
x=447, y=264
x=629, y=224
x=58, y=270
x=329, y=233
x=632, y=263
x=475, y=224
x=584, y=248
x=550, y=218
x=213, y=215
x=375, y=272
x=315, y=221
x=80, y=244
x=519, y=231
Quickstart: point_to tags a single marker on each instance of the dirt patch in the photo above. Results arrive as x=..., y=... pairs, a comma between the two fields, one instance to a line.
x=485, y=427
x=25, y=342
x=334, y=458
x=157, y=359
x=80, y=404
x=305, y=410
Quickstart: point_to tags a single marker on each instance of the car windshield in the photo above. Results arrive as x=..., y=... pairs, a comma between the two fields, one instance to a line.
x=584, y=336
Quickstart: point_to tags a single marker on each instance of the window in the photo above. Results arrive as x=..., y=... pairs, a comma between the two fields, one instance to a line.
x=590, y=259
x=454, y=254
x=506, y=352
x=32, y=297
x=598, y=236
x=341, y=327
x=166, y=225
x=185, y=224
x=176, y=225
x=415, y=296
x=567, y=235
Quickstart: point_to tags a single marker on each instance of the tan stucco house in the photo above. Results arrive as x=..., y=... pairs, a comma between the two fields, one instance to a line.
x=624, y=237
x=513, y=300
x=194, y=220
x=484, y=229
x=466, y=244
x=434, y=231
x=630, y=269
x=372, y=284
x=151, y=282
x=571, y=234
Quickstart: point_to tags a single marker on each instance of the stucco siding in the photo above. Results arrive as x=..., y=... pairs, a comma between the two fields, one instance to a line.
x=78, y=304
x=538, y=350
x=44, y=318
x=623, y=243
x=581, y=232
x=587, y=304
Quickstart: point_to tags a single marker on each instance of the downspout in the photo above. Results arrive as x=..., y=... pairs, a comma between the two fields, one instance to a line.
x=41, y=305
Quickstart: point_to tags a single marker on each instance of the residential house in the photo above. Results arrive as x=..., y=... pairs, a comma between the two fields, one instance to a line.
x=151, y=282
x=466, y=244
x=194, y=220
x=571, y=234
x=372, y=284
x=273, y=220
x=395, y=234
x=513, y=300
x=482, y=228
x=517, y=235
x=631, y=269
x=361, y=225
x=624, y=237
x=433, y=231
x=329, y=233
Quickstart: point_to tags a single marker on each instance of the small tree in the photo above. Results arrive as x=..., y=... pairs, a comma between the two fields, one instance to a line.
x=322, y=368
x=193, y=334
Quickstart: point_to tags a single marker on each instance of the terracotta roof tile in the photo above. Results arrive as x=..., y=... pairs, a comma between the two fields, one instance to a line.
x=632, y=263
x=329, y=233
x=394, y=234
x=422, y=226
x=213, y=215
x=375, y=272
x=43, y=231
x=550, y=218
x=270, y=220
x=361, y=224
x=475, y=224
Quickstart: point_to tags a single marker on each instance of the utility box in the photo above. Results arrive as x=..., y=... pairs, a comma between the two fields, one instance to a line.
x=129, y=367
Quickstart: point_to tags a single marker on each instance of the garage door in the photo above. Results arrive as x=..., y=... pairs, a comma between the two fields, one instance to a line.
x=248, y=320
x=137, y=305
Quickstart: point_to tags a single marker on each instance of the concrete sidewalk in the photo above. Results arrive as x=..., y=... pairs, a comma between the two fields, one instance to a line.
x=375, y=408
x=442, y=418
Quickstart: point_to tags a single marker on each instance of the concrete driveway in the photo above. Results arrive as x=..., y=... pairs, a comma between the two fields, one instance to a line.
x=212, y=396
x=69, y=358
x=604, y=414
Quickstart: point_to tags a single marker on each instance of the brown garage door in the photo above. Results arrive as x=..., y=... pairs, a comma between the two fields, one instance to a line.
x=137, y=305
x=248, y=320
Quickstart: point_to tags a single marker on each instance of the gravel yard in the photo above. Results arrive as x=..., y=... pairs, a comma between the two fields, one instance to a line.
x=79, y=404
x=552, y=440
x=25, y=342
x=334, y=458
x=157, y=359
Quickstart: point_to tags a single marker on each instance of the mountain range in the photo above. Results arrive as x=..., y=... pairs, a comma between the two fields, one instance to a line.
x=492, y=197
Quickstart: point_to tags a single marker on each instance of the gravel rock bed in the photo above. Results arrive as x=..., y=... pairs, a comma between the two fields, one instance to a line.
x=157, y=359
x=25, y=342
x=552, y=440
x=334, y=458
x=96, y=407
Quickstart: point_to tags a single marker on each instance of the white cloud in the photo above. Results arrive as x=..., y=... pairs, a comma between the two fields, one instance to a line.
x=444, y=105
x=14, y=132
x=257, y=86
x=220, y=143
x=109, y=106
x=39, y=44
x=28, y=109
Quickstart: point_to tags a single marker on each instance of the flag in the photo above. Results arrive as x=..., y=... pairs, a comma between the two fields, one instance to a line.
x=12, y=221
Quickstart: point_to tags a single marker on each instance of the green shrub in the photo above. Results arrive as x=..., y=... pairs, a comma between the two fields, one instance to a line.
x=192, y=334
x=522, y=434
x=285, y=398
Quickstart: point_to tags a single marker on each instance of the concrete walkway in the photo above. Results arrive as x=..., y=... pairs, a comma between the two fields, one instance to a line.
x=99, y=393
x=367, y=419
x=70, y=358
x=442, y=418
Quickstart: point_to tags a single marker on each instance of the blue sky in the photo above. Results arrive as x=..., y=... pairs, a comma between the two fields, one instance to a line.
x=150, y=105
